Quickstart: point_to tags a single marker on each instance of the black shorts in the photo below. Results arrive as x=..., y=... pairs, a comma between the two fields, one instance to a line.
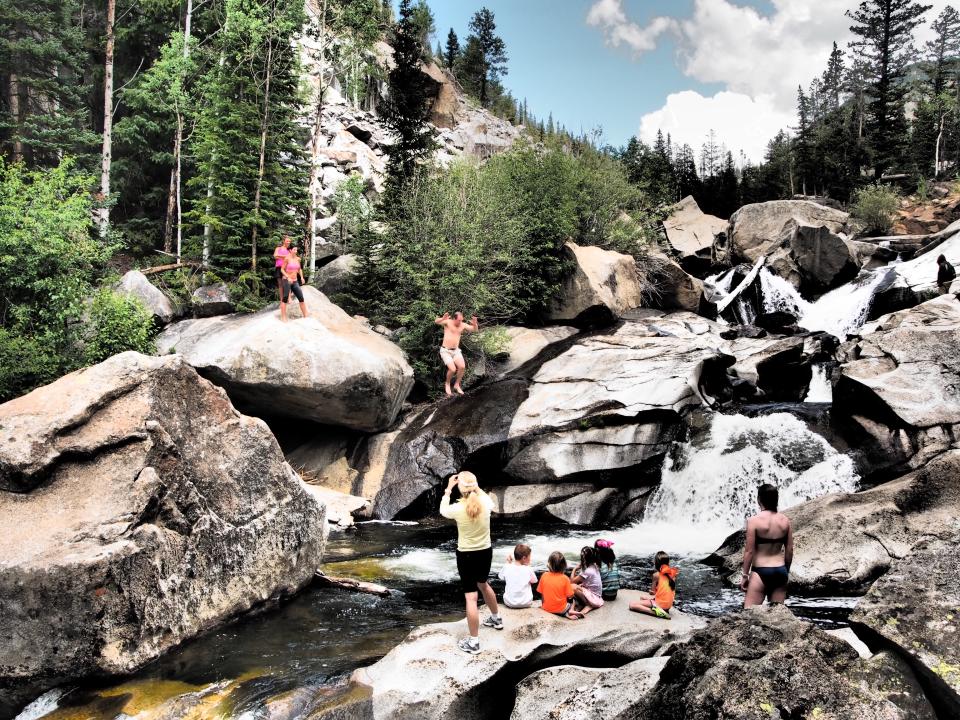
x=278, y=273
x=474, y=567
x=294, y=287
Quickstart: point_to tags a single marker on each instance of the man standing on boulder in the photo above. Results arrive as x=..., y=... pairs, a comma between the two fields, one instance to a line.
x=450, y=353
x=945, y=275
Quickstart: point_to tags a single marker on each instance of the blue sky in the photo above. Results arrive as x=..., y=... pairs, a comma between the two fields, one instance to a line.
x=631, y=67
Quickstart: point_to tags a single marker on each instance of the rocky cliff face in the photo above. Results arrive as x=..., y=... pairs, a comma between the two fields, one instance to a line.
x=138, y=508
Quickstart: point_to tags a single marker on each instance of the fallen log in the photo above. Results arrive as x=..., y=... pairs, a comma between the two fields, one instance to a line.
x=351, y=584
x=172, y=266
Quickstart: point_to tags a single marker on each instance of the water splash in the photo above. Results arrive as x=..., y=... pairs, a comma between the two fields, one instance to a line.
x=708, y=489
x=820, y=391
x=840, y=312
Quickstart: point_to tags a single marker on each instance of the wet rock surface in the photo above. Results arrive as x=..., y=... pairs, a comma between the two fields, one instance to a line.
x=139, y=509
x=327, y=368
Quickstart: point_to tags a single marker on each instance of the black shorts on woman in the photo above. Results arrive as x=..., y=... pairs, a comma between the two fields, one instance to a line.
x=474, y=567
x=294, y=287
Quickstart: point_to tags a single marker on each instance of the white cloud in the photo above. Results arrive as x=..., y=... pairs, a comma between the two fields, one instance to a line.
x=740, y=121
x=760, y=59
x=609, y=16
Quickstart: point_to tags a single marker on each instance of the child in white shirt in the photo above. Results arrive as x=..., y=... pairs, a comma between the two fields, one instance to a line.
x=519, y=578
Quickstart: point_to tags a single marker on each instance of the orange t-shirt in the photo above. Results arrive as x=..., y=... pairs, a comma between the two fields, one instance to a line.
x=664, y=595
x=556, y=589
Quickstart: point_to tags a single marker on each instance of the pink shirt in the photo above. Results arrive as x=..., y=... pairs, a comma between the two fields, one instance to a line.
x=292, y=267
x=281, y=253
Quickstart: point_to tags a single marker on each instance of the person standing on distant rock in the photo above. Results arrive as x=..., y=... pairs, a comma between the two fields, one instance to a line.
x=292, y=278
x=945, y=275
x=280, y=254
x=768, y=552
x=474, y=553
x=450, y=353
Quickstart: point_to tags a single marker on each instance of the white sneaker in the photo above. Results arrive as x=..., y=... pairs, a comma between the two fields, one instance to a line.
x=492, y=622
x=468, y=646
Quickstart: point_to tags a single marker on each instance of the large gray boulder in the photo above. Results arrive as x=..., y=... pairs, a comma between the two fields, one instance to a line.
x=844, y=542
x=602, y=287
x=800, y=240
x=691, y=233
x=764, y=663
x=212, y=300
x=427, y=677
x=334, y=277
x=896, y=393
x=139, y=509
x=757, y=229
x=603, y=410
x=136, y=285
x=676, y=289
x=328, y=368
x=916, y=608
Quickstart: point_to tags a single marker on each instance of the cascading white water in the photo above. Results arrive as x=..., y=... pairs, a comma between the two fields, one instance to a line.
x=708, y=489
x=43, y=705
x=820, y=390
x=840, y=312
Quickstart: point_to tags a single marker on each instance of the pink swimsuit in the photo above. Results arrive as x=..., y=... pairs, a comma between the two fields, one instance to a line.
x=293, y=266
x=282, y=253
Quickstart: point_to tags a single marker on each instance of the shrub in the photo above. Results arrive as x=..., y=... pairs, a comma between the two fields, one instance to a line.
x=875, y=205
x=25, y=363
x=117, y=323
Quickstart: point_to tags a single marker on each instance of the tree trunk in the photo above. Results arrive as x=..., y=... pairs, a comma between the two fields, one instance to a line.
x=208, y=207
x=315, y=145
x=15, y=114
x=264, y=123
x=106, y=155
x=171, y=209
x=936, y=154
x=175, y=183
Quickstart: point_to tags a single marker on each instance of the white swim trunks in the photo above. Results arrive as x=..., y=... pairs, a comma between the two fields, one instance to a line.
x=448, y=355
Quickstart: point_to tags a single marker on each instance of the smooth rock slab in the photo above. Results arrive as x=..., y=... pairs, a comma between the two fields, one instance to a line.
x=571, y=692
x=328, y=368
x=146, y=510
x=603, y=286
x=427, y=677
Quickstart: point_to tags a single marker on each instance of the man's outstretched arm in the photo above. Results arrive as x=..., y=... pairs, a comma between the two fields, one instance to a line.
x=474, y=324
x=442, y=319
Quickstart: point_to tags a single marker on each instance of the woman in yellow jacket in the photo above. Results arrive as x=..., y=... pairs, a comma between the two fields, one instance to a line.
x=474, y=553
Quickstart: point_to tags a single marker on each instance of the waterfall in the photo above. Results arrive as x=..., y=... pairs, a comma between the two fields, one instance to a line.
x=840, y=312
x=709, y=488
x=821, y=391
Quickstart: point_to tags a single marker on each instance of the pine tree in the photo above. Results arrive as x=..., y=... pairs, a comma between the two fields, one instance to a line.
x=804, y=145
x=43, y=113
x=423, y=21
x=934, y=119
x=943, y=52
x=685, y=169
x=833, y=78
x=452, y=51
x=728, y=195
x=407, y=108
x=469, y=67
x=248, y=146
x=884, y=29
x=492, y=48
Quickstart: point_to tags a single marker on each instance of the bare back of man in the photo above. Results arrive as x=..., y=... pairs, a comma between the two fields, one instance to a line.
x=450, y=353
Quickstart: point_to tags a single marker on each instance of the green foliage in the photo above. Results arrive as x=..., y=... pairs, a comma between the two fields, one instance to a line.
x=352, y=207
x=249, y=292
x=117, y=323
x=407, y=107
x=42, y=62
x=49, y=263
x=875, y=205
x=488, y=240
x=251, y=200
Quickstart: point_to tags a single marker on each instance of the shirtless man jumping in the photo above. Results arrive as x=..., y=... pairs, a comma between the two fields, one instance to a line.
x=450, y=352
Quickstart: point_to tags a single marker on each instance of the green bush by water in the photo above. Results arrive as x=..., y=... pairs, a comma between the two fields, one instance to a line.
x=875, y=205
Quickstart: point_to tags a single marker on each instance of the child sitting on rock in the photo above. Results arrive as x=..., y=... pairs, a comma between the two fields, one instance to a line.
x=609, y=569
x=586, y=576
x=556, y=589
x=660, y=598
x=519, y=578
